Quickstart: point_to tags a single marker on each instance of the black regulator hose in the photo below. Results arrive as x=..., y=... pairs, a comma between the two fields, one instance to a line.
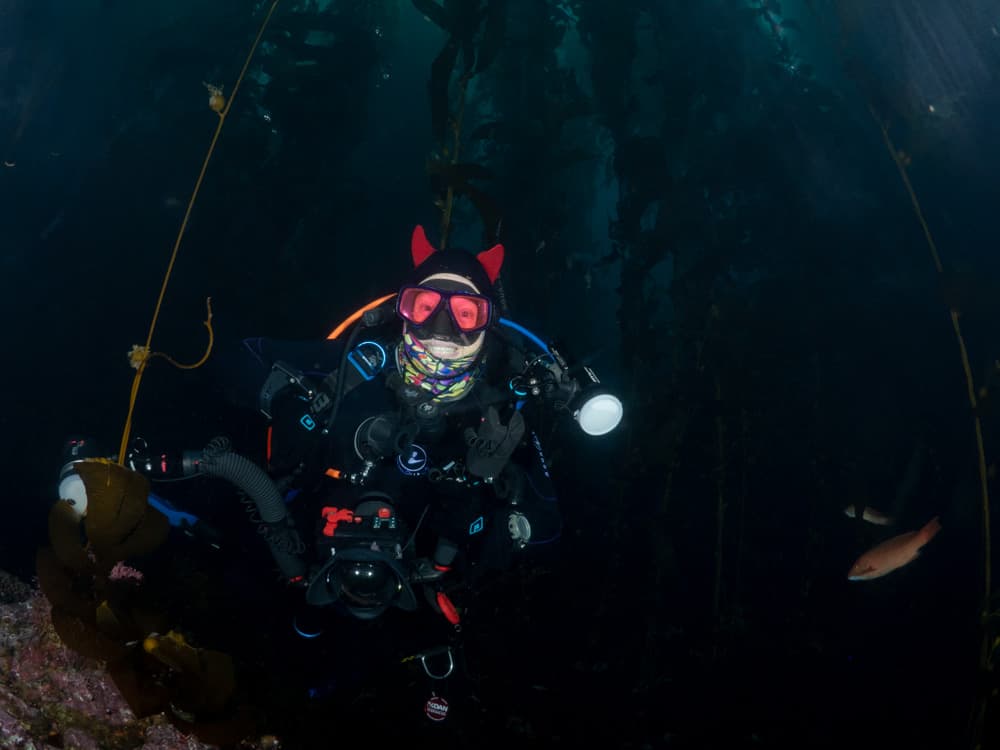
x=219, y=460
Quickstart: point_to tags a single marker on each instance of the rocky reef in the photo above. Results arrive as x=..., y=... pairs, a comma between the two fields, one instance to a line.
x=52, y=697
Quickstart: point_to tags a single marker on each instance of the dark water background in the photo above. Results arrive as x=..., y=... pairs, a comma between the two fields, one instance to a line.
x=726, y=239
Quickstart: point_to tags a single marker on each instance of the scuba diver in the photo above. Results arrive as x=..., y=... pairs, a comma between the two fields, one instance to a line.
x=404, y=455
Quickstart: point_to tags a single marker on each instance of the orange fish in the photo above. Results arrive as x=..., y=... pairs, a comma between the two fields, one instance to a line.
x=871, y=516
x=892, y=553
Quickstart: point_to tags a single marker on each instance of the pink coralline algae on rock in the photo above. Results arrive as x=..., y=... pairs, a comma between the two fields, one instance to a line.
x=51, y=697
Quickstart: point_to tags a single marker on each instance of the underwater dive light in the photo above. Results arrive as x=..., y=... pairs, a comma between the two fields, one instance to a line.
x=596, y=409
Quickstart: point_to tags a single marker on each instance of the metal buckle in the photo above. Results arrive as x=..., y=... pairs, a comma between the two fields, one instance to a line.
x=435, y=652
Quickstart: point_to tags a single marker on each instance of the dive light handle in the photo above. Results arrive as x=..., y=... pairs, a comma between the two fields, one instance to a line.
x=162, y=464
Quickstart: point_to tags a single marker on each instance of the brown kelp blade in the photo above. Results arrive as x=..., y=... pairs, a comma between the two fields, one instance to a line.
x=209, y=677
x=64, y=588
x=86, y=638
x=119, y=521
x=65, y=537
x=151, y=532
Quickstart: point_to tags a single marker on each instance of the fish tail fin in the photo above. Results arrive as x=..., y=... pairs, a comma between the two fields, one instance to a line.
x=933, y=527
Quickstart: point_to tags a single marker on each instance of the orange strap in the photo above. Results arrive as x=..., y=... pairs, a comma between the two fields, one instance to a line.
x=354, y=316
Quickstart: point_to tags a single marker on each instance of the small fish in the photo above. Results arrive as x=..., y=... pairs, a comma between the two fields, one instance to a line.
x=871, y=516
x=892, y=553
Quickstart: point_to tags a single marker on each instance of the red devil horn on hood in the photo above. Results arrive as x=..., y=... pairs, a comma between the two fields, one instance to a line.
x=421, y=249
x=491, y=260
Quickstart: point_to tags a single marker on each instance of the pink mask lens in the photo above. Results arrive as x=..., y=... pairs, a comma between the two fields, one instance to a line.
x=417, y=305
x=470, y=313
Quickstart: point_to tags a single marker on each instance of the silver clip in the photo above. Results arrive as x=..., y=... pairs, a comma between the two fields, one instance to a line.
x=427, y=669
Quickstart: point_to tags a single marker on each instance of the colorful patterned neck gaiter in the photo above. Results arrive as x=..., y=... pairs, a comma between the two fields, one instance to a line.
x=446, y=380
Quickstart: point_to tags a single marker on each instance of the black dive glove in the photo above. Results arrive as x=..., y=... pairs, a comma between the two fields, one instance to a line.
x=491, y=446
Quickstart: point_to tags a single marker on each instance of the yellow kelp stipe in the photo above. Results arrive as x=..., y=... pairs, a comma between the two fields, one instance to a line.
x=141, y=354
